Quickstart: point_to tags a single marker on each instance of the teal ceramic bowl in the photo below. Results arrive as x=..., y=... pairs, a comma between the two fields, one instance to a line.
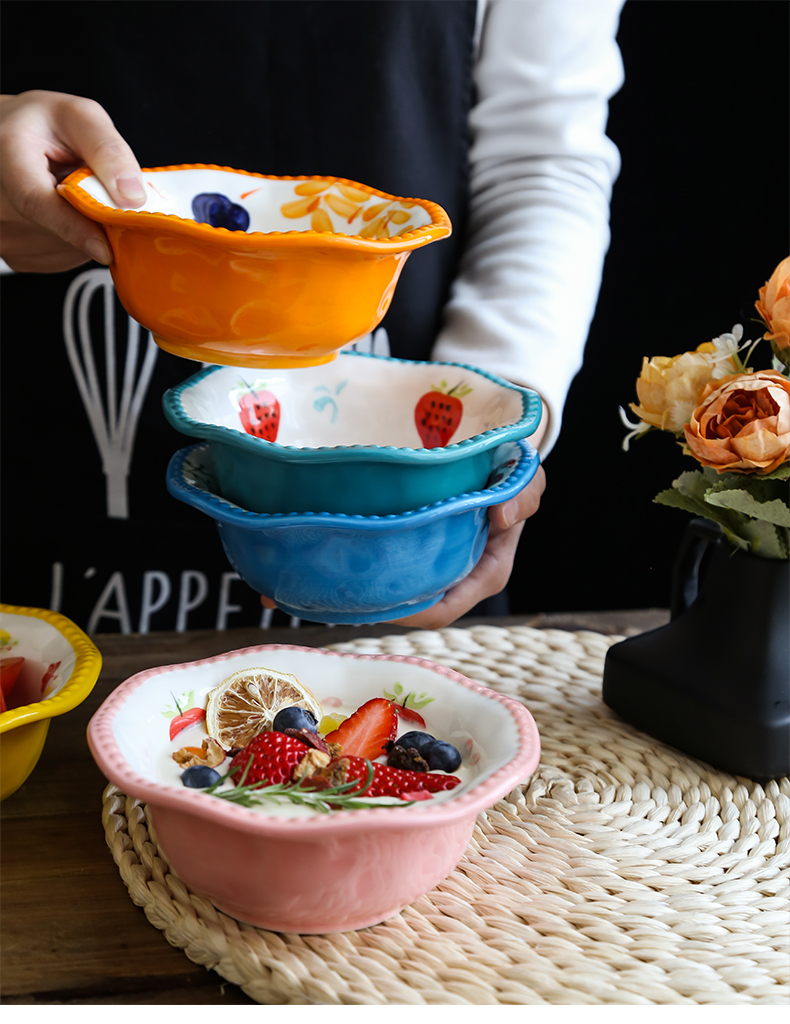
x=364, y=435
x=330, y=567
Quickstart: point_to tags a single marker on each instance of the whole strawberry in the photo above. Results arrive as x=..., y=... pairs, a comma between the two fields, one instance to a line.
x=271, y=756
x=396, y=782
x=259, y=412
x=438, y=413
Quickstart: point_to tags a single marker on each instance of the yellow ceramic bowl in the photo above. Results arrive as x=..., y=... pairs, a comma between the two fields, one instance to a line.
x=246, y=269
x=60, y=669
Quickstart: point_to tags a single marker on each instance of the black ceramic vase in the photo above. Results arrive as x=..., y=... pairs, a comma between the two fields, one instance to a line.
x=715, y=681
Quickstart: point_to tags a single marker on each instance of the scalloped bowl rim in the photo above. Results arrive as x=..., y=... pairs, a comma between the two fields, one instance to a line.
x=438, y=228
x=113, y=764
x=87, y=666
x=531, y=407
x=228, y=512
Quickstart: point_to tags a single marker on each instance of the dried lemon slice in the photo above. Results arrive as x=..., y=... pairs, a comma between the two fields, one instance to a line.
x=245, y=704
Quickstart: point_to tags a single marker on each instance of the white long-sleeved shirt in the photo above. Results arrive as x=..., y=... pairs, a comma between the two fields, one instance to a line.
x=542, y=170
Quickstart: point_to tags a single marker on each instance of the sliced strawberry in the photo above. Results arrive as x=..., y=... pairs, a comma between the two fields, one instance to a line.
x=9, y=672
x=186, y=718
x=397, y=782
x=410, y=714
x=273, y=755
x=366, y=733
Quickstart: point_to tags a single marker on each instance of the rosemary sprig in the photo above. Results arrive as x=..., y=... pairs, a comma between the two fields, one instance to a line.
x=333, y=798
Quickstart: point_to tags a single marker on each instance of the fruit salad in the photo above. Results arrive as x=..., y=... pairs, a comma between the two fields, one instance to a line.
x=265, y=742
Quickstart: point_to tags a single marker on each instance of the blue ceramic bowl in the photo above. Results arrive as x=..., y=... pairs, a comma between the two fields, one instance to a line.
x=330, y=567
x=363, y=435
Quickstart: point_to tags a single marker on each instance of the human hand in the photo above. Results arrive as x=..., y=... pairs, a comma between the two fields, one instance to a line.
x=492, y=572
x=43, y=137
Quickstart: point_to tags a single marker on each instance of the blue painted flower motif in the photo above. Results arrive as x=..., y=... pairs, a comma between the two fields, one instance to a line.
x=320, y=403
x=217, y=210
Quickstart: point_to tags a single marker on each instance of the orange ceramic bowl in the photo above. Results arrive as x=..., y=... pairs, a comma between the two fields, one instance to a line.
x=246, y=269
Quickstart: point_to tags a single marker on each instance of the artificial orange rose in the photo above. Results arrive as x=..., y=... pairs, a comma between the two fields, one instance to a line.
x=774, y=307
x=742, y=424
x=669, y=387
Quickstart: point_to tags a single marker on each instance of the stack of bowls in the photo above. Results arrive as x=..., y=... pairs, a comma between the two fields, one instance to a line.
x=356, y=491
x=347, y=488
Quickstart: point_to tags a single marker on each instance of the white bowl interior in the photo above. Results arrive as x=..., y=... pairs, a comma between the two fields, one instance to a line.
x=353, y=400
x=49, y=658
x=480, y=727
x=275, y=205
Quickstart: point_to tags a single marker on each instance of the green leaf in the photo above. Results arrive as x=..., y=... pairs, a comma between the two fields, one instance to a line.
x=752, y=511
x=761, y=488
x=782, y=355
x=741, y=500
x=677, y=499
x=782, y=473
x=767, y=540
x=688, y=493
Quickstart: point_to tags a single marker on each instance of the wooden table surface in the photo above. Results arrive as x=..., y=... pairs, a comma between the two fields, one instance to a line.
x=69, y=932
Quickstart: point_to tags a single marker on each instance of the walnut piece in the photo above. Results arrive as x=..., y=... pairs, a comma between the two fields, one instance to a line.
x=312, y=761
x=333, y=774
x=210, y=754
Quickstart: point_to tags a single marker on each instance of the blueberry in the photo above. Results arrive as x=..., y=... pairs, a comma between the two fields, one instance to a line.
x=443, y=757
x=217, y=210
x=440, y=756
x=294, y=718
x=420, y=741
x=199, y=776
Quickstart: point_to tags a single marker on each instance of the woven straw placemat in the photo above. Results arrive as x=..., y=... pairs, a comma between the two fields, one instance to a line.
x=621, y=871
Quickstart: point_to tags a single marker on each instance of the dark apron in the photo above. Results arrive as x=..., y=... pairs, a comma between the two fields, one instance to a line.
x=376, y=92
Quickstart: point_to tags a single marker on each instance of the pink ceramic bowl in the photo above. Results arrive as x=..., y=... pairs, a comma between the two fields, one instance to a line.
x=330, y=872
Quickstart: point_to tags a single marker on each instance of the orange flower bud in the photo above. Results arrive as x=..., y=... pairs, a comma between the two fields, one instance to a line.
x=774, y=308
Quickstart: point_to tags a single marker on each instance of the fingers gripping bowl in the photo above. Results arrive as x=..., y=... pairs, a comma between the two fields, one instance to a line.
x=326, y=872
x=246, y=269
x=330, y=567
x=365, y=435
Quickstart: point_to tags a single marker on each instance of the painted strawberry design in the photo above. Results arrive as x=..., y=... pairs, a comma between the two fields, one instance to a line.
x=398, y=782
x=366, y=733
x=259, y=412
x=438, y=413
x=274, y=757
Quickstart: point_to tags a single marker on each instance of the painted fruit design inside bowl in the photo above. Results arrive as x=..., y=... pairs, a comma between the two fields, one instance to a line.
x=238, y=201
x=243, y=269
x=364, y=435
